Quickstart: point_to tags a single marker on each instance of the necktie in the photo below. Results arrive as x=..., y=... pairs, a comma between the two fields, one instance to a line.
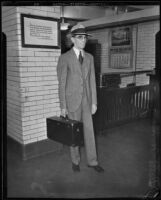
x=80, y=58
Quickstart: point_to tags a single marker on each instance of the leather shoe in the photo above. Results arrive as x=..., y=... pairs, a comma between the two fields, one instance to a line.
x=97, y=168
x=75, y=167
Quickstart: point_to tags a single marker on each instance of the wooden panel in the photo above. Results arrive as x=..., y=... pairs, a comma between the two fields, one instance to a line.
x=117, y=106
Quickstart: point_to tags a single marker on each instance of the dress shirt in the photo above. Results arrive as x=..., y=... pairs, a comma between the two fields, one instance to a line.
x=77, y=51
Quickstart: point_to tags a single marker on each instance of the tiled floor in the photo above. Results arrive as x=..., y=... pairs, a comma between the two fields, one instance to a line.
x=124, y=152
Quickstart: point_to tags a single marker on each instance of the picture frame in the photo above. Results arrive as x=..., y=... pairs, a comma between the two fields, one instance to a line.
x=120, y=59
x=120, y=51
x=121, y=37
x=40, y=32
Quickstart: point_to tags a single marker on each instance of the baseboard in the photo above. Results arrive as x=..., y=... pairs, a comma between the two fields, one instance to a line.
x=34, y=149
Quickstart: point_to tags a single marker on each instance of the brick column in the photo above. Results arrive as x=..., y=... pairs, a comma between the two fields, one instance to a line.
x=32, y=85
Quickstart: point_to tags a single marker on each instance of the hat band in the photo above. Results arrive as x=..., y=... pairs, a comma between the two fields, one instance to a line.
x=79, y=30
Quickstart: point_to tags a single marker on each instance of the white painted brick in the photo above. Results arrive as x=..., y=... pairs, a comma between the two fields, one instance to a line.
x=12, y=44
x=28, y=113
x=56, y=59
x=38, y=126
x=24, y=10
x=43, y=92
x=53, y=91
x=26, y=128
x=36, y=88
x=10, y=23
x=6, y=29
x=35, y=69
x=11, y=59
x=22, y=70
x=47, y=115
x=40, y=102
x=34, y=98
x=26, y=53
x=26, y=137
x=27, y=84
x=32, y=133
x=49, y=78
x=8, y=9
x=38, y=112
x=25, y=118
x=41, y=121
x=55, y=15
x=14, y=126
x=42, y=138
x=40, y=134
x=41, y=54
x=48, y=59
x=36, y=117
x=33, y=78
x=48, y=68
x=27, y=123
x=45, y=63
x=24, y=79
x=32, y=71
x=29, y=64
x=39, y=78
x=31, y=103
x=48, y=73
x=38, y=59
x=51, y=87
x=10, y=101
x=24, y=73
x=51, y=9
x=12, y=64
x=14, y=69
x=37, y=107
x=30, y=141
x=39, y=12
x=5, y=9
x=57, y=8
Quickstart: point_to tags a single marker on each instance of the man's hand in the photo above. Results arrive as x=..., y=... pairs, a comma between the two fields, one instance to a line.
x=64, y=112
x=94, y=109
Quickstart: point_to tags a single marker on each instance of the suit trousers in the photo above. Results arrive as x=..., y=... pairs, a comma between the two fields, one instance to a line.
x=83, y=113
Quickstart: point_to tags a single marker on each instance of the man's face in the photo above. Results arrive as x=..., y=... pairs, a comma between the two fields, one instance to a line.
x=79, y=41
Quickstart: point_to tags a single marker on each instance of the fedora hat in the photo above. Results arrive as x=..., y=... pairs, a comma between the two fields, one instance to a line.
x=79, y=29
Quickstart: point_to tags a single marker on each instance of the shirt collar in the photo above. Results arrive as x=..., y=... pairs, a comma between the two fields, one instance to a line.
x=77, y=52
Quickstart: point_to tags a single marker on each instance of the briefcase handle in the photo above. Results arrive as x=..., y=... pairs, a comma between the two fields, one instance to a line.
x=65, y=118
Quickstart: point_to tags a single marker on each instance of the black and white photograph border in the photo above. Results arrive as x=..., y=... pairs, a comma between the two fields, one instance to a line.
x=126, y=123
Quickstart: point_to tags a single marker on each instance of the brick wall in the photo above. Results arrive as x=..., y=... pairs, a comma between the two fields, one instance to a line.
x=146, y=45
x=32, y=85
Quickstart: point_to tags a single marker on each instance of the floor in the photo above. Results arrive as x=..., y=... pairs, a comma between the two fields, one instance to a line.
x=123, y=151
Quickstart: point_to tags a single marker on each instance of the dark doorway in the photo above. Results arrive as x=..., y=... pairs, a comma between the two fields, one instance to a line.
x=65, y=42
x=94, y=48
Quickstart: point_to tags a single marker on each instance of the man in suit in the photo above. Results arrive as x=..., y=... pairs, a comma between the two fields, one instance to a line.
x=77, y=94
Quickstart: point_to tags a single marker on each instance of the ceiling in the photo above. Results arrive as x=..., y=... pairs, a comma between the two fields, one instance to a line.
x=91, y=12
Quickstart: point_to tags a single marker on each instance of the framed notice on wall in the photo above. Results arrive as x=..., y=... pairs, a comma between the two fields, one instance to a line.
x=40, y=32
x=121, y=48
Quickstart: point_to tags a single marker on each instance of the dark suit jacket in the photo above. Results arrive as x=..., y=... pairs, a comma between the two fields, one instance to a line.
x=71, y=79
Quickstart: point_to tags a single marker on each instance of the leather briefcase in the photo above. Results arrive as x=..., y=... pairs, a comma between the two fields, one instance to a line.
x=64, y=130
